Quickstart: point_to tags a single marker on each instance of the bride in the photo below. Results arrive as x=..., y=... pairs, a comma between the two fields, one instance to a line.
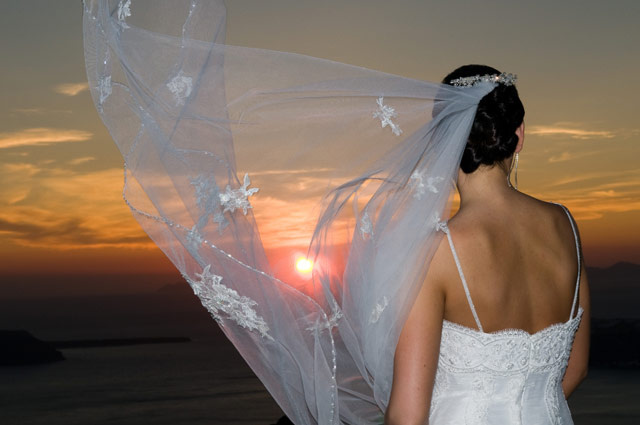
x=238, y=160
x=490, y=338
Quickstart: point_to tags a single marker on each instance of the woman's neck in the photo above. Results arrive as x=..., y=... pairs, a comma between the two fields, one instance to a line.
x=486, y=183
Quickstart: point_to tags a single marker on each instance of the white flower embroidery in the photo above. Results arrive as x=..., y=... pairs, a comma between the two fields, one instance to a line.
x=366, y=227
x=335, y=317
x=124, y=10
x=438, y=224
x=217, y=299
x=104, y=87
x=207, y=198
x=235, y=199
x=421, y=187
x=378, y=309
x=385, y=113
x=181, y=87
x=206, y=191
x=331, y=322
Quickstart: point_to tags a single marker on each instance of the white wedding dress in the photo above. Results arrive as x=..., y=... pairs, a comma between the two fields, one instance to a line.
x=508, y=377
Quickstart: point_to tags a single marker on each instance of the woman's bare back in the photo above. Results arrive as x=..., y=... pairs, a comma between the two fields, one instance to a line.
x=519, y=258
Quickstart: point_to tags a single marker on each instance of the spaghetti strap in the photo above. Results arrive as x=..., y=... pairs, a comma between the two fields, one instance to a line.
x=577, y=241
x=443, y=226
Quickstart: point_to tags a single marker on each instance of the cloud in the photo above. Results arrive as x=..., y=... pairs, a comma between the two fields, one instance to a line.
x=28, y=111
x=568, y=156
x=604, y=193
x=611, y=177
x=593, y=205
x=71, y=89
x=568, y=129
x=592, y=195
x=292, y=171
x=65, y=209
x=632, y=183
x=67, y=233
x=23, y=169
x=294, y=228
x=564, y=156
x=39, y=111
x=42, y=136
x=82, y=160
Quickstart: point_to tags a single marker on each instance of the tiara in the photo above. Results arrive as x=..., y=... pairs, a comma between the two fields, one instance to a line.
x=504, y=78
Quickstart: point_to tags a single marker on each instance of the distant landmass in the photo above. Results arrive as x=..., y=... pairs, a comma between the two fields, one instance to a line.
x=20, y=348
x=615, y=343
x=615, y=291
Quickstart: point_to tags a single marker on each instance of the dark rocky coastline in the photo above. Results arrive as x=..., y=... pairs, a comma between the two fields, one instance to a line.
x=615, y=343
x=20, y=348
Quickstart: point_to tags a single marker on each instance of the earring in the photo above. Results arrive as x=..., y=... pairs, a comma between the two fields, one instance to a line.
x=514, y=164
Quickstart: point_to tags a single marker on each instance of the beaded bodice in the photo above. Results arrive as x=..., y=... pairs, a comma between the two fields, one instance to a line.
x=504, y=377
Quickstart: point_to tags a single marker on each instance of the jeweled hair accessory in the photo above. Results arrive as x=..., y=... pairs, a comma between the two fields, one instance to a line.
x=507, y=79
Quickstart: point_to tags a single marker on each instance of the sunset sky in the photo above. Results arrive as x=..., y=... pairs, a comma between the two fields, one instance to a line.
x=578, y=64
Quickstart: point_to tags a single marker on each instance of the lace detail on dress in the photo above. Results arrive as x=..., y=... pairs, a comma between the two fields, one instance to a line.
x=216, y=298
x=457, y=351
x=554, y=348
x=493, y=371
x=507, y=351
x=551, y=397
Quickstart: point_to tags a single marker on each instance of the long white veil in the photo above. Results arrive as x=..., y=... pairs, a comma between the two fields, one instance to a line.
x=238, y=159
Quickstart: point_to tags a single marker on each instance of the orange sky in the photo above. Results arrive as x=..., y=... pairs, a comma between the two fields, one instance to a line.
x=60, y=200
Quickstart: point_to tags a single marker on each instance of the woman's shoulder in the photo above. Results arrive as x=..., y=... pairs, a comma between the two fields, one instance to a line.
x=524, y=220
x=553, y=217
x=554, y=209
x=523, y=209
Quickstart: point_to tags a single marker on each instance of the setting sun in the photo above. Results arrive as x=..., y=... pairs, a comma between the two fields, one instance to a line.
x=304, y=265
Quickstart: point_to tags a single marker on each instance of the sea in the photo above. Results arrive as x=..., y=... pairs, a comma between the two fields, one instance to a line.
x=206, y=382
x=198, y=382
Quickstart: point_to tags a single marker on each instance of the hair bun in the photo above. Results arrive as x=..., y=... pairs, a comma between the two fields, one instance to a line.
x=492, y=137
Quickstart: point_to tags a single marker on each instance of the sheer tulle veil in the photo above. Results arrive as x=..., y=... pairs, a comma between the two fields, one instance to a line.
x=238, y=159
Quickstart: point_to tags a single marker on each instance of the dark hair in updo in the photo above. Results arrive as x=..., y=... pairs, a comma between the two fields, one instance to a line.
x=500, y=113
